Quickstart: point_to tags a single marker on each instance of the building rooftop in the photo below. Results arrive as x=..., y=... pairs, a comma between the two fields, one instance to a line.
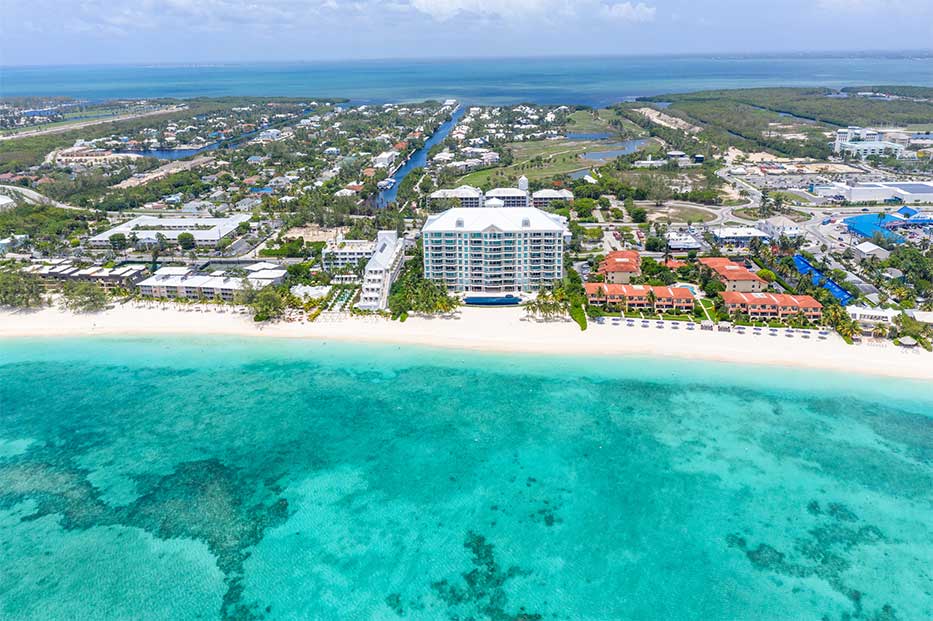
x=503, y=219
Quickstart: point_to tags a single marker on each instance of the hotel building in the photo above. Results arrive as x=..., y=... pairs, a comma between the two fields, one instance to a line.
x=494, y=250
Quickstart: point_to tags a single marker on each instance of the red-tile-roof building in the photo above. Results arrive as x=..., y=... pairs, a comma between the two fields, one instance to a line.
x=639, y=297
x=772, y=305
x=733, y=276
x=620, y=266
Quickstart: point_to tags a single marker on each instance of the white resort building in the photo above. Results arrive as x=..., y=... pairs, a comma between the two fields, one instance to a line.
x=145, y=230
x=341, y=253
x=504, y=250
x=184, y=282
x=381, y=271
x=466, y=195
x=543, y=198
x=510, y=197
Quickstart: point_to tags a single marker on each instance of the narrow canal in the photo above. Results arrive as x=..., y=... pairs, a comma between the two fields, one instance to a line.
x=419, y=158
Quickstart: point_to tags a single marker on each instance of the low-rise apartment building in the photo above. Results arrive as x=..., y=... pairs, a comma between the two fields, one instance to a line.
x=340, y=253
x=510, y=197
x=147, y=230
x=58, y=271
x=542, y=199
x=184, y=282
x=640, y=297
x=465, y=195
x=733, y=276
x=765, y=306
x=620, y=266
x=494, y=250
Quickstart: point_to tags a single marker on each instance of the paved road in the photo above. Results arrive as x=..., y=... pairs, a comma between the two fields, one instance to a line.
x=30, y=195
x=81, y=124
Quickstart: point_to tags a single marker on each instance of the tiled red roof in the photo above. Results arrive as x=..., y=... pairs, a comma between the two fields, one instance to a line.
x=729, y=270
x=770, y=299
x=628, y=261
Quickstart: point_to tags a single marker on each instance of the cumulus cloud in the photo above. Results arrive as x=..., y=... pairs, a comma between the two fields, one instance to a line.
x=631, y=12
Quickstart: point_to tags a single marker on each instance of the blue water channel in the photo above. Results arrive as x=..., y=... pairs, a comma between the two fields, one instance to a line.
x=419, y=158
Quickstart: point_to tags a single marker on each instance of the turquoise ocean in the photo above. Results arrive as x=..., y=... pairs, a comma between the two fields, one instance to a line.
x=237, y=479
x=492, y=81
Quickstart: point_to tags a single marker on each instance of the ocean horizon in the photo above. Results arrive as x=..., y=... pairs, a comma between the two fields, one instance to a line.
x=584, y=80
x=228, y=478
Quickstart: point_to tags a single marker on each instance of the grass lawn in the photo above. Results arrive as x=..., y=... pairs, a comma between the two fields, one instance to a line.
x=683, y=214
x=540, y=159
x=752, y=214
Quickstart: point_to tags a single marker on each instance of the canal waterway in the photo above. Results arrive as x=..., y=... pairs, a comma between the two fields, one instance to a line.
x=419, y=158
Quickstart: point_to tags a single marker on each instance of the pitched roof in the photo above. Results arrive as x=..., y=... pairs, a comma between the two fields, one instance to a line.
x=770, y=299
x=626, y=261
x=727, y=270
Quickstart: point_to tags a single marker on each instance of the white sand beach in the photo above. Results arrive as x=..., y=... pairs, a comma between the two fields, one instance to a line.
x=502, y=330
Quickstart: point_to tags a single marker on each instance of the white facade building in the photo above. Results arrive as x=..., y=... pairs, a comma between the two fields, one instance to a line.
x=543, y=198
x=346, y=252
x=780, y=226
x=494, y=250
x=467, y=195
x=381, y=271
x=738, y=235
x=511, y=197
x=682, y=241
x=183, y=282
x=867, y=250
x=206, y=231
x=385, y=159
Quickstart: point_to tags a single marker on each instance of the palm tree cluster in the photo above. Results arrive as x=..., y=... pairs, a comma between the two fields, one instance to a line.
x=550, y=303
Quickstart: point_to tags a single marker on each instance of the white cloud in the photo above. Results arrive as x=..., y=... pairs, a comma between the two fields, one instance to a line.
x=631, y=12
x=445, y=9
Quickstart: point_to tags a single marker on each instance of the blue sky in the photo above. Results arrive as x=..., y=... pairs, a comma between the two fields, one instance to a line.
x=172, y=31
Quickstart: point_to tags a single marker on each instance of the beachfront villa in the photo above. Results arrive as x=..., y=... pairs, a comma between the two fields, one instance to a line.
x=733, y=276
x=147, y=230
x=54, y=272
x=767, y=306
x=185, y=282
x=640, y=297
x=494, y=250
x=620, y=266
x=381, y=271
